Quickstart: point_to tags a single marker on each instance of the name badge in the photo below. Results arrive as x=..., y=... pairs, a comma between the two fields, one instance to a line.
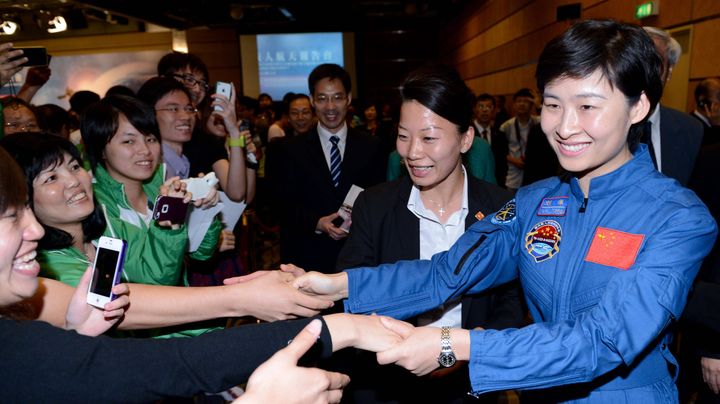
x=555, y=206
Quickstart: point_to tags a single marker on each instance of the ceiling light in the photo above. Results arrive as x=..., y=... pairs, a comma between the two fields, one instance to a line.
x=57, y=24
x=8, y=27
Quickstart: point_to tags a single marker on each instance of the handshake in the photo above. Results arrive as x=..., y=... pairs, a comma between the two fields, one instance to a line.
x=415, y=348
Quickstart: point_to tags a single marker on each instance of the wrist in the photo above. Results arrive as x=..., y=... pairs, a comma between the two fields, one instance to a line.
x=461, y=343
x=233, y=300
x=340, y=282
x=236, y=141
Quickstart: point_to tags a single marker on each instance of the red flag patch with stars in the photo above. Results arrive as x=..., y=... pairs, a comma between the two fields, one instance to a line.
x=614, y=248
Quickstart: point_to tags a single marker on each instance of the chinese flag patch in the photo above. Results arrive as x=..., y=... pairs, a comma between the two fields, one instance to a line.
x=614, y=248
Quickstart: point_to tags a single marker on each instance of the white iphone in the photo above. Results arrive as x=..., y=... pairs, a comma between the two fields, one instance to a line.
x=107, y=270
x=222, y=88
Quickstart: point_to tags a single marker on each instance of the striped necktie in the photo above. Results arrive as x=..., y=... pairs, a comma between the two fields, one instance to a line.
x=335, y=161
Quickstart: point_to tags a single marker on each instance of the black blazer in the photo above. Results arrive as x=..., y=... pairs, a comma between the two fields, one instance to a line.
x=385, y=231
x=680, y=139
x=304, y=192
x=701, y=315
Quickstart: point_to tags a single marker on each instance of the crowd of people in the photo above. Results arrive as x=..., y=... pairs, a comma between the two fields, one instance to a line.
x=552, y=252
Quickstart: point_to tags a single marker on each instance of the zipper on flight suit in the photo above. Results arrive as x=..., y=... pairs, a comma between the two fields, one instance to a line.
x=583, y=207
x=467, y=254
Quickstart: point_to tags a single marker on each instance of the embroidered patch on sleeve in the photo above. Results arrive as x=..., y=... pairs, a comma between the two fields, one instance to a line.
x=614, y=248
x=506, y=214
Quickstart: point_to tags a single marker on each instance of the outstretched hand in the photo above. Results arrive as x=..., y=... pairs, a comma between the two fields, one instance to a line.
x=419, y=350
x=269, y=296
x=90, y=320
x=365, y=332
x=332, y=286
x=280, y=380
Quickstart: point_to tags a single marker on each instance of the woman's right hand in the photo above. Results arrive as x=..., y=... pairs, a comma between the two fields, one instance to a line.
x=175, y=188
x=332, y=286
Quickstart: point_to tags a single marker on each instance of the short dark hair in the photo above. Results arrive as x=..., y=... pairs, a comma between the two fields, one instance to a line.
x=329, y=71
x=624, y=53
x=13, y=190
x=101, y=120
x=440, y=89
x=174, y=61
x=120, y=89
x=80, y=100
x=708, y=90
x=156, y=88
x=523, y=92
x=52, y=118
x=485, y=97
x=296, y=96
x=35, y=152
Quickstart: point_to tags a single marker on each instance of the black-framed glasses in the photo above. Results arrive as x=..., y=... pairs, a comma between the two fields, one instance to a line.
x=190, y=81
x=175, y=109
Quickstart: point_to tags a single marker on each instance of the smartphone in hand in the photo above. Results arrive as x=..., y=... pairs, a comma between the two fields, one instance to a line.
x=36, y=55
x=222, y=88
x=107, y=270
x=170, y=208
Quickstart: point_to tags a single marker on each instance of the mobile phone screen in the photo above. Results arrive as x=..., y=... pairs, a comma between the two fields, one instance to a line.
x=102, y=281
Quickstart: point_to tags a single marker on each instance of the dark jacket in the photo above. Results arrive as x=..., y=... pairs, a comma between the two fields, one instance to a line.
x=304, y=192
x=385, y=231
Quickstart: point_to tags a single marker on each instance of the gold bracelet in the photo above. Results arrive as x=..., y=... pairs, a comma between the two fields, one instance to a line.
x=236, y=141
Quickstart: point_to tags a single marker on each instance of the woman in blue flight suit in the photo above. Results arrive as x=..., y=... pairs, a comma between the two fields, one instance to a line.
x=606, y=254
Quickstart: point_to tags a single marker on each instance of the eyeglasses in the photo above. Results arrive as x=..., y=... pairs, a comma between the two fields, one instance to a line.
x=485, y=107
x=335, y=99
x=175, y=109
x=25, y=127
x=190, y=81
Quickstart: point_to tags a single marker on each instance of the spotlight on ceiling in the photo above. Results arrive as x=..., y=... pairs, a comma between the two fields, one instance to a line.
x=57, y=24
x=8, y=27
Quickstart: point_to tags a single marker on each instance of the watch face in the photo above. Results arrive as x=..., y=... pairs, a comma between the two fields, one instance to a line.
x=446, y=359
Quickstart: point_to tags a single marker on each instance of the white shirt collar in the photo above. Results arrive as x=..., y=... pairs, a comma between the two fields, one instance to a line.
x=702, y=117
x=325, y=134
x=416, y=206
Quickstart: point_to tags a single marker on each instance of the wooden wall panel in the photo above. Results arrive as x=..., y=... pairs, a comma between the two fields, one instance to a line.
x=478, y=21
x=496, y=46
x=504, y=82
x=619, y=9
x=524, y=22
x=705, y=8
x=672, y=14
x=220, y=50
x=517, y=53
x=104, y=43
x=705, y=58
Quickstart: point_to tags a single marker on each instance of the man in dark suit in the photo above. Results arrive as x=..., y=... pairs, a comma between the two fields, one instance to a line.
x=487, y=129
x=313, y=173
x=676, y=136
x=707, y=109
